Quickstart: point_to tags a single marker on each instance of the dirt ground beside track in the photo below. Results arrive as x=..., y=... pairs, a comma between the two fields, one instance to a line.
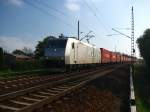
x=109, y=93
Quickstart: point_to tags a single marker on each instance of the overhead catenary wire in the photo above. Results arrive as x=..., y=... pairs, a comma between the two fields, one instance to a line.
x=56, y=10
x=94, y=13
x=48, y=13
x=100, y=14
x=62, y=13
x=132, y=2
x=52, y=8
x=119, y=28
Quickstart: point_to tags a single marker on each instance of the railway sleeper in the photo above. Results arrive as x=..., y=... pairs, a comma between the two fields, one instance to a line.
x=21, y=102
x=31, y=99
x=58, y=89
x=52, y=91
x=8, y=108
x=38, y=95
x=44, y=93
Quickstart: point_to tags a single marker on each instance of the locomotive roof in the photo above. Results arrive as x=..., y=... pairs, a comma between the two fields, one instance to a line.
x=73, y=38
x=87, y=44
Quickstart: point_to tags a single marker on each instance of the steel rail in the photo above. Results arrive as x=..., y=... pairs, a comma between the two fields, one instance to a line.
x=17, y=84
x=46, y=93
x=8, y=85
x=31, y=89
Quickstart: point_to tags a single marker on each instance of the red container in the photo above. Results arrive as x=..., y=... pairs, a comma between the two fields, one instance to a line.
x=113, y=57
x=105, y=55
x=129, y=58
x=121, y=58
x=118, y=57
x=125, y=58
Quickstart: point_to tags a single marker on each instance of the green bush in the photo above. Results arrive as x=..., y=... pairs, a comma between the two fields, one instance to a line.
x=142, y=85
x=28, y=65
x=143, y=44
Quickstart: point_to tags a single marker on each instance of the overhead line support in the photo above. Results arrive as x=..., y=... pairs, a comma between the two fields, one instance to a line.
x=132, y=34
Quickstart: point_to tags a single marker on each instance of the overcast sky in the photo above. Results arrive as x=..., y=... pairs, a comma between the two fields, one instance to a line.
x=25, y=22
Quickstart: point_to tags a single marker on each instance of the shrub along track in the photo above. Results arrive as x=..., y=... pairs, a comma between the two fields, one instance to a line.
x=31, y=98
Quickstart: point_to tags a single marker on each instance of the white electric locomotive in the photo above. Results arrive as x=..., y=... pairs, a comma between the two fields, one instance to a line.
x=71, y=53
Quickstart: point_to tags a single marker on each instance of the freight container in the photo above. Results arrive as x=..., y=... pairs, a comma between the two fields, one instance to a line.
x=105, y=56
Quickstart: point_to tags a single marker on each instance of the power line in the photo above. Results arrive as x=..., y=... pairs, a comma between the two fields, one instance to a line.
x=120, y=28
x=50, y=7
x=61, y=12
x=132, y=2
x=49, y=14
x=56, y=10
x=99, y=13
x=94, y=13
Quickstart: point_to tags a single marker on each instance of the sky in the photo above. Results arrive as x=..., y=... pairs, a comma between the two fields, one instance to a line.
x=25, y=22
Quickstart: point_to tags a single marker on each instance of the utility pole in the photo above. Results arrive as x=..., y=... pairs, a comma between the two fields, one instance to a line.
x=78, y=30
x=132, y=94
x=132, y=35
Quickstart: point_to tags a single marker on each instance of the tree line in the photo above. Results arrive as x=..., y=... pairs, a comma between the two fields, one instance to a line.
x=37, y=54
x=144, y=46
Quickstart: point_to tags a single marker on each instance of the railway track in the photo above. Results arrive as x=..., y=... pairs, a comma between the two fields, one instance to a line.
x=18, y=83
x=23, y=82
x=27, y=100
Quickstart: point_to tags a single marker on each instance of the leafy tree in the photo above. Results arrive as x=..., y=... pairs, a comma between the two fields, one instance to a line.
x=27, y=51
x=144, y=46
x=19, y=52
x=1, y=57
x=39, y=52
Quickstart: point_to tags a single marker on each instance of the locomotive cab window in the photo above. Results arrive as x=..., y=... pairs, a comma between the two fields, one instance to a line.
x=57, y=43
x=72, y=45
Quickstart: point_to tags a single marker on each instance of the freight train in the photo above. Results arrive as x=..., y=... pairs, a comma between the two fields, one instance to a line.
x=72, y=53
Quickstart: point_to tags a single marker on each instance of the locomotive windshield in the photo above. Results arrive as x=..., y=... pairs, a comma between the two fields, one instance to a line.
x=57, y=43
x=56, y=48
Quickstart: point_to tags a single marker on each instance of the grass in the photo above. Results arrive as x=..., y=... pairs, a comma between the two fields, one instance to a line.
x=142, y=87
x=141, y=107
x=5, y=71
x=10, y=74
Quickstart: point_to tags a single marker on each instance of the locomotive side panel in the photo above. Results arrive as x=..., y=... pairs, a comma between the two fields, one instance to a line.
x=97, y=55
x=70, y=53
x=87, y=54
x=84, y=54
x=78, y=52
